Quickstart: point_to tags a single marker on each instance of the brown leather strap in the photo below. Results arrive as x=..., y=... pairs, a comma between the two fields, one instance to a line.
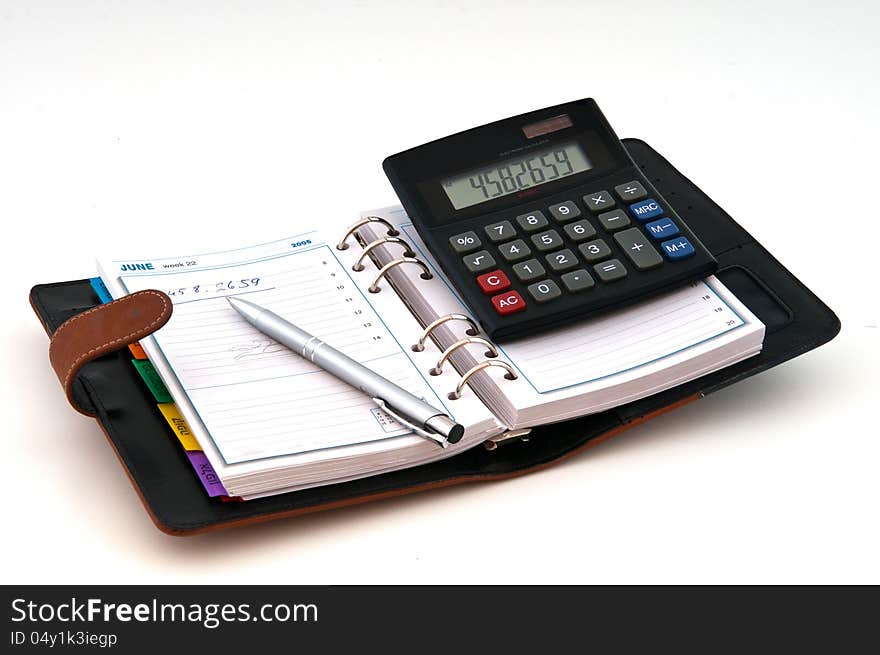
x=102, y=330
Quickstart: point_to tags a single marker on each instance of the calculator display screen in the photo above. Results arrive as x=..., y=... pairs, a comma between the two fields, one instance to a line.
x=516, y=174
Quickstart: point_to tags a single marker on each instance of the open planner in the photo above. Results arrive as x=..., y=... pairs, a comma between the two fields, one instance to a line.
x=269, y=421
x=230, y=400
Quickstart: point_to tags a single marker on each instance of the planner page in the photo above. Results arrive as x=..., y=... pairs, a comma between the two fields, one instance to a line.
x=253, y=404
x=602, y=361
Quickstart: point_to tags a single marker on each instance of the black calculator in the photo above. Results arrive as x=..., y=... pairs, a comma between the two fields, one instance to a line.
x=543, y=219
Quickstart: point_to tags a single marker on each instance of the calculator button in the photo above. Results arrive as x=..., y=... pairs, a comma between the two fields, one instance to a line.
x=544, y=290
x=599, y=201
x=532, y=222
x=593, y=251
x=580, y=231
x=662, y=229
x=565, y=211
x=546, y=241
x=646, y=209
x=630, y=191
x=498, y=232
x=615, y=220
x=465, y=242
x=493, y=282
x=610, y=271
x=508, y=303
x=578, y=280
x=529, y=270
x=638, y=249
x=676, y=249
x=479, y=261
x=562, y=260
x=515, y=250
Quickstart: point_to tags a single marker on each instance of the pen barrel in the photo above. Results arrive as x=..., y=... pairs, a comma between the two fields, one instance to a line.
x=346, y=369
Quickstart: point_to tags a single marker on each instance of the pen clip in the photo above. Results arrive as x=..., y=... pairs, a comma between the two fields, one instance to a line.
x=437, y=438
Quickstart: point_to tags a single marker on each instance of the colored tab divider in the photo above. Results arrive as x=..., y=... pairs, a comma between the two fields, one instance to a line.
x=104, y=296
x=152, y=380
x=178, y=424
x=100, y=289
x=208, y=476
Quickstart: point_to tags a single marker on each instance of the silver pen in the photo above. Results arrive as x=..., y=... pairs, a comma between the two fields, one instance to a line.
x=407, y=409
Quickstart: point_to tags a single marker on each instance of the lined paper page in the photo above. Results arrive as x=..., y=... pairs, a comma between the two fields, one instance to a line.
x=255, y=398
x=623, y=340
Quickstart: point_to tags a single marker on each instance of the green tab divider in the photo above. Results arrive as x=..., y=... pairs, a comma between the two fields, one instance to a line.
x=152, y=380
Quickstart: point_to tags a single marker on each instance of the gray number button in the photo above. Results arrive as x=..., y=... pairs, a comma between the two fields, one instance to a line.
x=532, y=222
x=638, y=249
x=498, y=232
x=599, y=201
x=610, y=271
x=580, y=231
x=562, y=260
x=565, y=211
x=528, y=270
x=479, y=261
x=593, y=251
x=615, y=220
x=578, y=280
x=465, y=242
x=546, y=241
x=544, y=290
x=515, y=250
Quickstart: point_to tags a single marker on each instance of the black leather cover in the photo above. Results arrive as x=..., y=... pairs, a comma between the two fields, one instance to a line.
x=796, y=321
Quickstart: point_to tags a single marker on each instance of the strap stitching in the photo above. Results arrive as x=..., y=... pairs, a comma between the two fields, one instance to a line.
x=143, y=331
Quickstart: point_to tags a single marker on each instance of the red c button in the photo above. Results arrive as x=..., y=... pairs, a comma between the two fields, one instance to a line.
x=493, y=282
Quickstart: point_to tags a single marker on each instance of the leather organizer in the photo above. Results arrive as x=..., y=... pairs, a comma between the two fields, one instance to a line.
x=93, y=364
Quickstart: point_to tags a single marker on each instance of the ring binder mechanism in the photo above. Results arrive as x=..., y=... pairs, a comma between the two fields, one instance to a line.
x=510, y=375
x=343, y=242
x=426, y=272
x=407, y=252
x=471, y=331
x=438, y=369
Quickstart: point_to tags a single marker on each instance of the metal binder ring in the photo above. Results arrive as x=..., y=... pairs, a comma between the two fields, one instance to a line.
x=493, y=352
x=342, y=245
x=471, y=331
x=359, y=264
x=426, y=273
x=511, y=375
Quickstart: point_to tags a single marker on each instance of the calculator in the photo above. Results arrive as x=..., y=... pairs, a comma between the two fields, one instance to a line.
x=543, y=219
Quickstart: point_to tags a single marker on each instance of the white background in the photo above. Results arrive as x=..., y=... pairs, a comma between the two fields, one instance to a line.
x=132, y=130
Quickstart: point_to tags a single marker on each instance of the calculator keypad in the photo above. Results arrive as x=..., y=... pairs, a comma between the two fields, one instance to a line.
x=589, y=244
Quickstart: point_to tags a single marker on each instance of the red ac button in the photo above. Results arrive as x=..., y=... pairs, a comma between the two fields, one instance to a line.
x=508, y=303
x=493, y=282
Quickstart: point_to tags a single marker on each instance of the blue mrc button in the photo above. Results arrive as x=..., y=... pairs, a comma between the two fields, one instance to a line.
x=646, y=209
x=676, y=249
x=661, y=229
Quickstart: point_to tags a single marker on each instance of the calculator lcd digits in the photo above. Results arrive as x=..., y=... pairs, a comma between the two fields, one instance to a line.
x=543, y=218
